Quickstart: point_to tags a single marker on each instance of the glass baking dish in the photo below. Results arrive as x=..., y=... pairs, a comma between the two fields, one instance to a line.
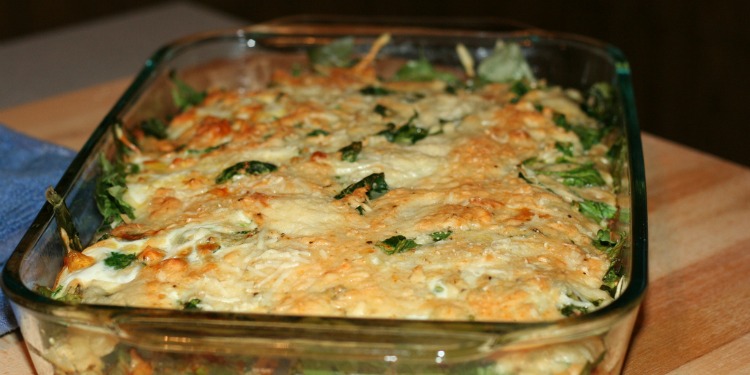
x=66, y=338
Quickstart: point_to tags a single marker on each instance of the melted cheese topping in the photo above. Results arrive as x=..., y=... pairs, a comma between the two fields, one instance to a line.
x=280, y=243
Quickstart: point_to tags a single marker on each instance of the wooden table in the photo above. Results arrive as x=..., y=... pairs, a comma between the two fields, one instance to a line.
x=695, y=318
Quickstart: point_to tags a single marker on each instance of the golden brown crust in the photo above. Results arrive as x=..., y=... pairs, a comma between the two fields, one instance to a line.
x=479, y=239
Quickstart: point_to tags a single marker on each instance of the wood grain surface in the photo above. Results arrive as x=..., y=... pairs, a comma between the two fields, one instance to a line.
x=695, y=318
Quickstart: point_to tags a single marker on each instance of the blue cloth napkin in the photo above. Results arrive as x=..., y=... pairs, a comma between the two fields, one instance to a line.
x=28, y=167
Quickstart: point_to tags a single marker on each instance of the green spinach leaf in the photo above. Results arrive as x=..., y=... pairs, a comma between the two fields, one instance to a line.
x=607, y=244
x=192, y=304
x=422, y=70
x=56, y=294
x=439, y=236
x=405, y=134
x=573, y=310
x=109, y=191
x=597, y=211
x=587, y=135
x=119, y=261
x=183, y=95
x=566, y=148
x=205, y=150
x=375, y=91
x=351, y=153
x=612, y=277
x=519, y=88
x=396, y=244
x=381, y=110
x=601, y=103
x=339, y=53
x=584, y=175
x=505, y=64
x=252, y=167
x=317, y=132
x=374, y=183
x=155, y=128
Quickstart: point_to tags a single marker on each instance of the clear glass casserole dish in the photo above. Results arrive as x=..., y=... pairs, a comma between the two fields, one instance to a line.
x=67, y=338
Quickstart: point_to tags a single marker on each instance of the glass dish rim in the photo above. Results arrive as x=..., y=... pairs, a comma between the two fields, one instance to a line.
x=628, y=300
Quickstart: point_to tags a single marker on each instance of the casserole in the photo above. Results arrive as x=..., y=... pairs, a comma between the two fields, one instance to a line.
x=97, y=338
